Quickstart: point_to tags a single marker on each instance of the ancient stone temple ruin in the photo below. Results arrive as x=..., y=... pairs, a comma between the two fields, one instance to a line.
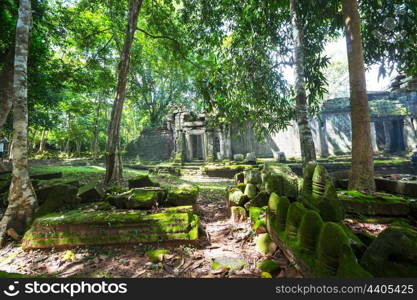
x=187, y=136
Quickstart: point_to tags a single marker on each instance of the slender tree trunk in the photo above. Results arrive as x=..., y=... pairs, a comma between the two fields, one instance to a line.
x=113, y=159
x=308, y=151
x=135, y=130
x=96, y=146
x=362, y=175
x=22, y=198
x=42, y=141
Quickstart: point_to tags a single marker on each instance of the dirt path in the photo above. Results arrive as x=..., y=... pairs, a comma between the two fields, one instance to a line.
x=221, y=239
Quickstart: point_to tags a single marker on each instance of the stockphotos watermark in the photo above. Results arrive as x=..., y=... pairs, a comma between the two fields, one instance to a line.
x=63, y=288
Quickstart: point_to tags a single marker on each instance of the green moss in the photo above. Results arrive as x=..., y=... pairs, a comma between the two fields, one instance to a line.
x=260, y=200
x=278, y=206
x=256, y=213
x=237, y=198
x=268, y=265
x=309, y=231
x=241, y=186
x=230, y=263
x=265, y=245
x=331, y=240
x=266, y=275
x=296, y=211
x=183, y=195
x=157, y=255
x=251, y=191
x=259, y=224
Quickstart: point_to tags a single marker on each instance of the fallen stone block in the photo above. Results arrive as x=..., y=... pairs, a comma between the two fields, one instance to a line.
x=141, y=181
x=183, y=195
x=81, y=228
x=92, y=192
x=56, y=197
x=139, y=198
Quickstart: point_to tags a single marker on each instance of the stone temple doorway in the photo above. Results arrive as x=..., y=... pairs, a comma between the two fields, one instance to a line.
x=197, y=146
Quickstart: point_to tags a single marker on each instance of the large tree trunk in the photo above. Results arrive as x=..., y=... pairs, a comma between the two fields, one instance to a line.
x=22, y=199
x=113, y=160
x=308, y=151
x=362, y=175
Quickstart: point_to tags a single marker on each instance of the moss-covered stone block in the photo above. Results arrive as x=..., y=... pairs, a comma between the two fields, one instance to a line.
x=80, y=228
x=253, y=176
x=268, y=265
x=251, y=190
x=92, y=192
x=374, y=204
x=335, y=257
x=265, y=245
x=157, y=255
x=295, y=214
x=241, y=186
x=238, y=214
x=393, y=253
x=239, y=177
x=56, y=197
x=236, y=198
x=141, y=181
x=309, y=231
x=138, y=198
x=278, y=206
x=260, y=200
x=256, y=213
x=319, y=193
x=184, y=194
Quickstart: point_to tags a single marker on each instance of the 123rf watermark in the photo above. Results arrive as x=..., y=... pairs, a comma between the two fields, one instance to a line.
x=365, y=289
x=62, y=288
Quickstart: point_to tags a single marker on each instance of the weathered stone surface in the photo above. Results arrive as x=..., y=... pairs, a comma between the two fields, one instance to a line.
x=260, y=200
x=378, y=204
x=319, y=193
x=141, y=181
x=238, y=214
x=265, y=245
x=295, y=214
x=250, y=158
x=92, y=192
x=224, y=262
x=281, y=184
x=253, y=176
x=56, y=197
x=251, y=191
x=406, y=188
x=240, y=177
x=393, y=253
x=139, y=198
x=238, y=157
x=183, y=195
x=236, y=198
x=79, y=228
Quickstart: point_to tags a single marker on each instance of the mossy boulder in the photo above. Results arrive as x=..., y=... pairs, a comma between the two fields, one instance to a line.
x=393, y=253
x=319, y=193
x=281, y=184
x=184, y=194
x=236, y=198
x=238, y=214
x=309, y=231
x=260, y=200
x=141, y=181
x=251, y=190
x=257, y=213
x=138, y=198
x=56, y=197
x=296, y=212
x=335, y=257
x=92, y=192
x=278, y=208
x=265, y=245
x=268, y=265
x=374, y=204
x=80, y=227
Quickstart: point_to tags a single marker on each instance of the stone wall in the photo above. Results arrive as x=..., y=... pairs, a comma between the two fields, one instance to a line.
x=152, y=144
